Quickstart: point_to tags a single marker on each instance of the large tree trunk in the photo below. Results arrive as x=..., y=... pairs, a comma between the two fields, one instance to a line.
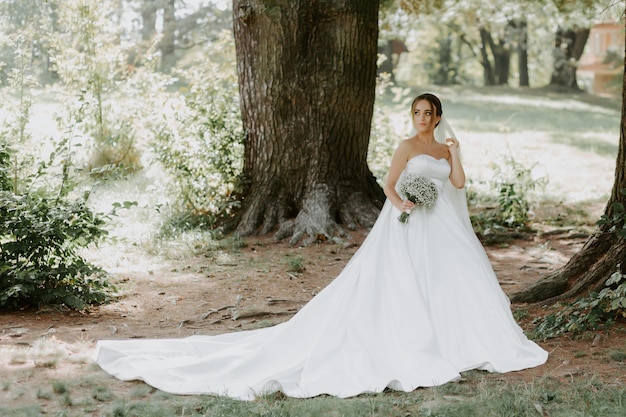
x=568, y=48
x=307, y=76
x=602, y=253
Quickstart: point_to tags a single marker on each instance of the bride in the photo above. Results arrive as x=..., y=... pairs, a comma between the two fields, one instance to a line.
x=417, y=305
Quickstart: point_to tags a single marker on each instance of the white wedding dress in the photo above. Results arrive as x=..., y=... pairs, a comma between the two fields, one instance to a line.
x=416, y=305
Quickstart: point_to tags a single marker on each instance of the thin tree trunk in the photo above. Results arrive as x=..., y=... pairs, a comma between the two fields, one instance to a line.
x=568, y=48
x=488, y=73
x=167, y=45
x=148, y=19
x=502, y=59
x=307, y=75
x=522, y=53
x=442, y=77
x=498, y=73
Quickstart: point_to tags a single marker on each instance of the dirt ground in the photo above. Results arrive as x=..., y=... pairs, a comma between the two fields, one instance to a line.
x=255, y=284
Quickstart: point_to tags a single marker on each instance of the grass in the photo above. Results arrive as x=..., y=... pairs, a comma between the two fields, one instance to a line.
x=498, y=110
x=296, y=264
x=618, y=355
x=477, y=395
x=586, y=143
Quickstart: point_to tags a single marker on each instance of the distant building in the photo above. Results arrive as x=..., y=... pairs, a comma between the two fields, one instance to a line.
x=602, y=62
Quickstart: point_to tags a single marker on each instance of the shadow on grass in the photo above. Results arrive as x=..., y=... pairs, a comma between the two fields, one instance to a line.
x=599, y=147
x=499, y=109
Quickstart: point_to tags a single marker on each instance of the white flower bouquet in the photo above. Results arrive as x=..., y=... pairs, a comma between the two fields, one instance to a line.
x=418, y=189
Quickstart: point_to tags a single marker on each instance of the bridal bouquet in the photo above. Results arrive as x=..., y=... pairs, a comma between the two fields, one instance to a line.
x=417, y=189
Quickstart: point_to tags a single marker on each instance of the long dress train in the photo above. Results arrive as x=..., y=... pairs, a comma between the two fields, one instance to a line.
x=416, y=305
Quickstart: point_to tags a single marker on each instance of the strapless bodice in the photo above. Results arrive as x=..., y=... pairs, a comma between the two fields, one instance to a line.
x=428, y=166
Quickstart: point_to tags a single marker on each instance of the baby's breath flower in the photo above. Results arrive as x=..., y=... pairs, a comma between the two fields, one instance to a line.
x=417, y=189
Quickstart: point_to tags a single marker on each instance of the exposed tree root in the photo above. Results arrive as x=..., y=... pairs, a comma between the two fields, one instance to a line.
x=323, y=214
x=586, y=271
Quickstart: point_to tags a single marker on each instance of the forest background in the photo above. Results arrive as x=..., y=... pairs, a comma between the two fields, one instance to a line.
x=121, y=155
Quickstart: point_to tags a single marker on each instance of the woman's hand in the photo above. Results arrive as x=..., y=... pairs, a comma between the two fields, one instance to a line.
x=407, y=205
x=452, y=143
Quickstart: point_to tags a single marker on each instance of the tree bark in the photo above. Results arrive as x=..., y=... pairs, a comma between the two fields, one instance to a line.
x=522, y=52
x=446, y=67
x=502, y=59
x=148, y=19
x=569, y=45
x=603, y=252
x=498, y=72
x=488, y=72
x=167, y=46
x=307, y=76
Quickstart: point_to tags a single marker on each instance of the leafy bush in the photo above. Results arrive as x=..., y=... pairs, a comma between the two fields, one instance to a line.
x=514, y=184
x=507, y=203
x=89, y=59
x=115, y=149
x=617, y=220
x=39, y=262
x=199, y=141
x=41, y=232
x=383, y=136
x=599, y=310
x=5, y=172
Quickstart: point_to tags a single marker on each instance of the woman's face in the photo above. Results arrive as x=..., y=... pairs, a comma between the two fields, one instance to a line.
x=424, y=116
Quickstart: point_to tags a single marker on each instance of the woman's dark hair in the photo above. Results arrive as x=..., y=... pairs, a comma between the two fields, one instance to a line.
x=432, y=99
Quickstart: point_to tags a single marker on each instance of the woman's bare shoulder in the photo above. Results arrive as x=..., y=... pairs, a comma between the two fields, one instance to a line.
x=403, y=146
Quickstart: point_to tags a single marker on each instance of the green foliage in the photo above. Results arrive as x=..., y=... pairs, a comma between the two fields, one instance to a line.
x=16, y=113
x=616, y=220
x=24, y=29
x=39, y=261
x=40, y=264
x=514, y=184
x=200, y=142
x=444, y=56
x=296, y=264
x=59, y=387
x=598, y=310
x=5, y=166
x=42, y=229
x=92, y=65
x=383, y=137
x=617, y=355
x=508, y=201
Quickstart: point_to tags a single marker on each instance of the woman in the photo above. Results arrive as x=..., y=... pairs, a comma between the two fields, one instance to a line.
x=416, y=305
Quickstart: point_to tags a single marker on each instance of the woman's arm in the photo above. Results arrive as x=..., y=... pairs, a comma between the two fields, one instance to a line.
x=457, y=173
x=398, y=163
